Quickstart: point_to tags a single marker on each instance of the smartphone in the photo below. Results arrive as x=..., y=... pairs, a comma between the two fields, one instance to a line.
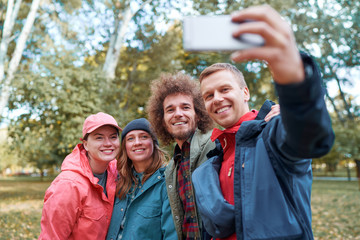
x=214, y=33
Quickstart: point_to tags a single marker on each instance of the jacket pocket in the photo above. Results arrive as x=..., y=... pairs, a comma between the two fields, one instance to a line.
x=149, y=212
x=94, y=213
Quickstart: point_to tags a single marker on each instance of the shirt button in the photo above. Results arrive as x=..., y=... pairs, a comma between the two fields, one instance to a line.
x=122, y=209
x=177, y=217
x=170, y=186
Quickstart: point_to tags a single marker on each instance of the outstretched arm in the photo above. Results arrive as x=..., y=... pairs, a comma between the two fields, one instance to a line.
x=305, y=130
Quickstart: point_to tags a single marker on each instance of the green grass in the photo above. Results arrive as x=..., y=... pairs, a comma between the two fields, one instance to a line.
x=335, y=209
x=20, y=208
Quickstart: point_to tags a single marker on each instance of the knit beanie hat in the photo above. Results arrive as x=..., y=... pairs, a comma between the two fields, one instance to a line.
x=138, y=124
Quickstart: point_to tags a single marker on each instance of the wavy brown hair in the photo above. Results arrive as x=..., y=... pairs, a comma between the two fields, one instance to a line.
x=125, y=167
x=169, y=84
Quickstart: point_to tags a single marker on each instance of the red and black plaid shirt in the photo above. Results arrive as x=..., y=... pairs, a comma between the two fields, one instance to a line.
x=190, y=227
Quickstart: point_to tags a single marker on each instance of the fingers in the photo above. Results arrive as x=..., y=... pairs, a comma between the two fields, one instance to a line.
x=279, y=52
x=263, y=13
x=275, y=110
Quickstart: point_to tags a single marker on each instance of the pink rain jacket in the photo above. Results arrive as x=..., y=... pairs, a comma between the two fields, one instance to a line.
x=75, y=206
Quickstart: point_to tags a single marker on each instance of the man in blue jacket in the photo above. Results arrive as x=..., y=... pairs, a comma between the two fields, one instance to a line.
x=258, y=184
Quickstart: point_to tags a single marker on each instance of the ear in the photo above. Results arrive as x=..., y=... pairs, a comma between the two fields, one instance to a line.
x=85, y=145
x=246, y=94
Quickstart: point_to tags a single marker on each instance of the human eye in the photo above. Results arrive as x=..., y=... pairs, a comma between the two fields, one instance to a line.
x=169, y=110
x=225, y=89
x=144, y=137
x=208, y=97
x=129, y=139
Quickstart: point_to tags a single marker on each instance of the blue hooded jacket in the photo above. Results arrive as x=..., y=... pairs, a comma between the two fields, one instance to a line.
x=272, y=171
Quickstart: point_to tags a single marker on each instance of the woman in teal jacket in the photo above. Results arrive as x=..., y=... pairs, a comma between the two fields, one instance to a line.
x=141, y=209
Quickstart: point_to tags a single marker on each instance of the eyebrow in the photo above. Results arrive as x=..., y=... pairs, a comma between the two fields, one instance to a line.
x=100, y=134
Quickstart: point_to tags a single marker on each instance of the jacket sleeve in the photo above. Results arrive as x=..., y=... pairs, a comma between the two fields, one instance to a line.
x=304, y=130
x=60, y=211
x=167, y=222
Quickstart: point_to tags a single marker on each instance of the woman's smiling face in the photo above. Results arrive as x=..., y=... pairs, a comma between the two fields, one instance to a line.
x=139, y=148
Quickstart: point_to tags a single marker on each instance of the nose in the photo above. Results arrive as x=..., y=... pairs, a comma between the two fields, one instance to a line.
x=107, y=141
x=178, y=112
x=137, y=141
x=217, y=97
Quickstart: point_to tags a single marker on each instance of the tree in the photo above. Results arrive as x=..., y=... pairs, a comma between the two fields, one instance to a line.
x=124, y=12
x=59, y=102
x=6, y=76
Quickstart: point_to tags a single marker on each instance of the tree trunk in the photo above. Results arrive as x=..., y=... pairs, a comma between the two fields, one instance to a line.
x=113, y=53
x=11, y=15
x=357, y=161
x=117, y=39
x=341, y=119
x=342, y=95
x=16, y=56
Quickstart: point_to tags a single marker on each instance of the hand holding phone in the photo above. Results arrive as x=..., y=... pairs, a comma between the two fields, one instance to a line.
x=214, y=33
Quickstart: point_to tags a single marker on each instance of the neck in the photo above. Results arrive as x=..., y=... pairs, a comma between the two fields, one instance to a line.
x=180, y=142
x=97, y=168
x=142, y=166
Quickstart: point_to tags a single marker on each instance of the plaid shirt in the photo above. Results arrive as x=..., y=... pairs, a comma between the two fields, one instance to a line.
x=190, y=227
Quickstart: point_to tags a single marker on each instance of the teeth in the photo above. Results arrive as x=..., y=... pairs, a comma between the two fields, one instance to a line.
x=107, y=151
x=179, y=123
x=222, y=109
x=139, y=150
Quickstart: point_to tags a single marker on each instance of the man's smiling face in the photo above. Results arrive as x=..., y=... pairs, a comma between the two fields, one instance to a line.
x=225, y=100
x=179, y=116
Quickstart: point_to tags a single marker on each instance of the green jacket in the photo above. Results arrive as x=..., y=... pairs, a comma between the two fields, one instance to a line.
x=200, y=145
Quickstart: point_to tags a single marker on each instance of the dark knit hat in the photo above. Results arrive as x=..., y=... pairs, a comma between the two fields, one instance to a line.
x=138, y=124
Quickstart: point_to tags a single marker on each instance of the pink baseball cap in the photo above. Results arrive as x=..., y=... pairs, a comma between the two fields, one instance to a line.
x=95, y=121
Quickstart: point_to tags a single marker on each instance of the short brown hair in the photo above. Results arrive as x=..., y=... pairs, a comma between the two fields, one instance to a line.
x=216, y=67
x=169, y=84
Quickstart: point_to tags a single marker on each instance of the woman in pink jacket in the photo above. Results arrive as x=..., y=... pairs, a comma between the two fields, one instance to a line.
x=79, y=202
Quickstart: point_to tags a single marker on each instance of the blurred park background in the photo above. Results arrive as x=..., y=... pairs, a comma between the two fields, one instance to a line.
x=62, y=60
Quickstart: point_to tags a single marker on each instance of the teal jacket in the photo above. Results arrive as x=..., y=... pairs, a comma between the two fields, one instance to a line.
x=148, y=216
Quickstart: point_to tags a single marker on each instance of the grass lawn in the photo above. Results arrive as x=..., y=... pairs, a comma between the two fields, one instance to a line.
x=335, y=207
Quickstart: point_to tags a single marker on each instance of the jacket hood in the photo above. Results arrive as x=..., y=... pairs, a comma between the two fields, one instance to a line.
x=78, y=162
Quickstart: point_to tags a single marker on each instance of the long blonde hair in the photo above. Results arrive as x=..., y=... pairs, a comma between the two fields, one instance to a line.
x=125, y=168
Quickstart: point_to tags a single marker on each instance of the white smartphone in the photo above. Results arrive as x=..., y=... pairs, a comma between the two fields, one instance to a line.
x=214, y=33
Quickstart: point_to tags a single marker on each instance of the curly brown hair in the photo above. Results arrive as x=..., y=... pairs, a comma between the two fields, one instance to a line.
x=169, y=84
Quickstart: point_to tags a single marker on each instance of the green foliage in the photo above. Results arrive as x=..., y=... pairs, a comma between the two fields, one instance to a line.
x=152, y=54
x=8, y=156
x=57, y=104
x=57, y=88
